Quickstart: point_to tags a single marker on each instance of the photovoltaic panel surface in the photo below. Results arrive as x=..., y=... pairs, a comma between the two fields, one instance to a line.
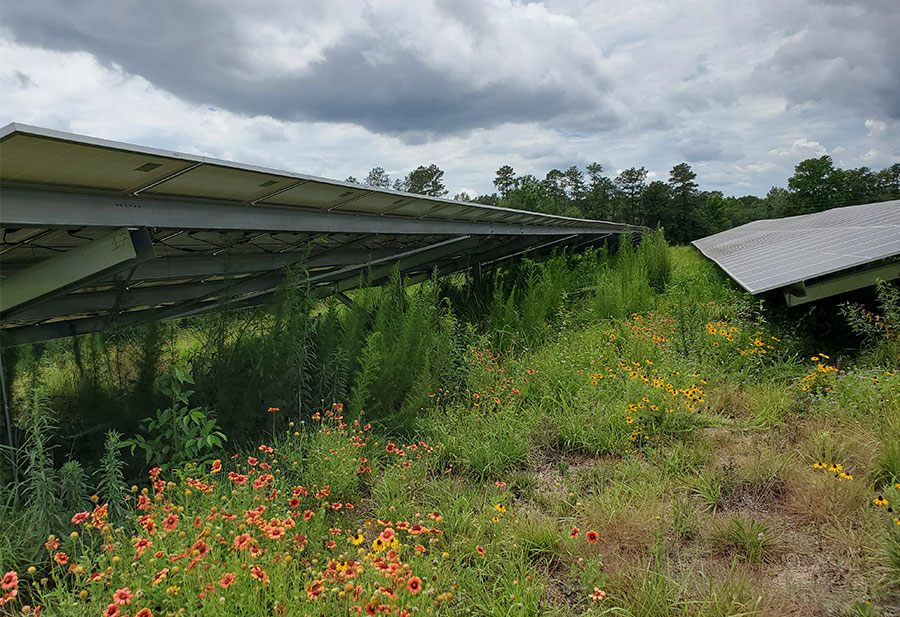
x=775, y=253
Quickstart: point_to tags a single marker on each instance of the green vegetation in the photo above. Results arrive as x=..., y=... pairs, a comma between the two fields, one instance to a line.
x=594, y=434
x=679, y=205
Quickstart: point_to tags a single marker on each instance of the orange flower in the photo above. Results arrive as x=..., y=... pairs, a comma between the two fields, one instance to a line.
x=170, y=522
x=414, y=585
x=10, y=580
x=144, y=612
x=574, y=532
x=81, y=517
x=8, y=596
x=243, y=542
x=216, y=466
x=480, y=550
x=592, y=536
x=61, y=558
x=226, y=581
x=123, y=596
x=157, y=579
x=314, y=590
x=258, y=573
x=112, y=610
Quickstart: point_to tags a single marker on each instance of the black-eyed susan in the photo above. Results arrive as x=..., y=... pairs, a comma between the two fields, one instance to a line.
x=820, y=465
x=500, y=508
x=880, y=501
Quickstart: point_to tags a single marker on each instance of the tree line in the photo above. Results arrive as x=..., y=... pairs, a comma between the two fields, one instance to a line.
x=678, y=205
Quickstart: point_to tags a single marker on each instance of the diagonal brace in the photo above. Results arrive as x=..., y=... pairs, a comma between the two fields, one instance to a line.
x=116, y=251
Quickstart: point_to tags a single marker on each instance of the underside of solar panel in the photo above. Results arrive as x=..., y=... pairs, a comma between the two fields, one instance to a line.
x=96, y=234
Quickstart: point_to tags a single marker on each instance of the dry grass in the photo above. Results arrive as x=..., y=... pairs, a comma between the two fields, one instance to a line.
x=729, y=401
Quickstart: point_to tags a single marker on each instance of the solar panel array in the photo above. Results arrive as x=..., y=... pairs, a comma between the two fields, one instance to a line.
x=775, y=253
x=218, y=233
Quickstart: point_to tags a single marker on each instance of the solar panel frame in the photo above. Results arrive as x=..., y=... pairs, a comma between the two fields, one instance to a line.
x=216, y=226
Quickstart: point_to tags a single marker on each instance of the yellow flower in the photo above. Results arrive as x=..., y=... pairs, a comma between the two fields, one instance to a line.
x=500, y=508
x=495, y=519
x=880, y=501
x=819, y=466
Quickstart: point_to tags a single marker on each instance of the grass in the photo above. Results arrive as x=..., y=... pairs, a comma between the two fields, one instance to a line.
x=634, y=448
x=744, y=538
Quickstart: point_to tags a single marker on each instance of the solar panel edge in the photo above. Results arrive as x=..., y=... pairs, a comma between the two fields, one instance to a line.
x=12, y=129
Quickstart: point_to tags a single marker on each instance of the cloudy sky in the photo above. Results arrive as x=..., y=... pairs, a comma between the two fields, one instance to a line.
x=740, y=90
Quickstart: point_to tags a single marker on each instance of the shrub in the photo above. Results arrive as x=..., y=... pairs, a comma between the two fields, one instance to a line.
x=179, y=433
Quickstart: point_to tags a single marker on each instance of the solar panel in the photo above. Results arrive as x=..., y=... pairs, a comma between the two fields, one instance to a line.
x=780, y=253
x=161, y=234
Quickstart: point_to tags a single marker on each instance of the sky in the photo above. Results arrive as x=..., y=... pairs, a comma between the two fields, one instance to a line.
x=742, y=91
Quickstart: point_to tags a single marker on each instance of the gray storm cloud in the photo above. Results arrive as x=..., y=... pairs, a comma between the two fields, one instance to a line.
x=392, y=70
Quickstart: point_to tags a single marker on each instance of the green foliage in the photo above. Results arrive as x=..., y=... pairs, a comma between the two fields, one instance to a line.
x=887, y=469
x=423, y=180
x=112, y=479
x=706, y=485
x=749, y=538
x=178, y=434
x=556, y=453
x=685, y=517
x=657, y=261
x=539, y=538
x=73, y=486
x=41, y=512
x=881, y=331
x=623, y=287
x=368, y=372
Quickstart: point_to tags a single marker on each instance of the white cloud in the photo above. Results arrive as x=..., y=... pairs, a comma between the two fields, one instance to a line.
x=806, y=149
x=650, y=83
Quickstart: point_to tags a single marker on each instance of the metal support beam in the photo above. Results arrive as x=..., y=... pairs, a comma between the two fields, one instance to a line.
x=167, y=268
x=49, y=279
x=46, y=208
x=803, y=292
x=6, y=415
x=263, y=289
x=344, y=298
x=256, y=290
